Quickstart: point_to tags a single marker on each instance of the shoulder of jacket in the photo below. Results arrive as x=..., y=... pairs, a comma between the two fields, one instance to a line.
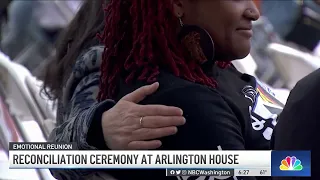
x=88, y=60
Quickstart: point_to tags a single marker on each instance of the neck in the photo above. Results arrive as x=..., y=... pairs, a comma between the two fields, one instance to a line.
x=223, y=57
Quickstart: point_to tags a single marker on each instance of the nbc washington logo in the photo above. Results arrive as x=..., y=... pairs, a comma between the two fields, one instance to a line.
x=291, y=164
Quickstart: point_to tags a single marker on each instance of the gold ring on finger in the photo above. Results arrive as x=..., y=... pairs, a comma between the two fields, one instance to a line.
x=141, y=121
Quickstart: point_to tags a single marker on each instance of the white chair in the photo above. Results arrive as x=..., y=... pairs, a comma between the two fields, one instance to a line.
x=292, y=64
x=24, y=94
x=45, y=105
x=26, y=118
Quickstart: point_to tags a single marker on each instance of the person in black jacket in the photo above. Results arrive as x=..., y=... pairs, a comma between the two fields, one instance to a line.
x=186, y=46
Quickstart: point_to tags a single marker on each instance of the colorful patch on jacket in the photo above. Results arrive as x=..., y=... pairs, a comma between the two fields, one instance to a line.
x=264, y=110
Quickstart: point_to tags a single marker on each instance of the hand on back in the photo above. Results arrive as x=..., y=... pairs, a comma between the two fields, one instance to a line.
x=132, y=126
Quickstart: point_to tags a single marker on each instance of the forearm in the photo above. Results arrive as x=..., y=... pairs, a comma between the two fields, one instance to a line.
x=81, y=113
x=76, y=127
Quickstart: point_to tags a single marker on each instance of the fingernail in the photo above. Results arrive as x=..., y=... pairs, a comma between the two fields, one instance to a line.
x=175, y=130
x=154, y=84
x=181, y=112
x=184, y=120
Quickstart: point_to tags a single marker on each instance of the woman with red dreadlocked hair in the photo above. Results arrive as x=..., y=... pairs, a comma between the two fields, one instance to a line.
x=184, y=47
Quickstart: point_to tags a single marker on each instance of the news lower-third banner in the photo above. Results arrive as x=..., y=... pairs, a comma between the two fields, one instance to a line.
x=190, y=163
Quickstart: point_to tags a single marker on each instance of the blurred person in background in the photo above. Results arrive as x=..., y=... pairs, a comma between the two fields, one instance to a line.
x=53, y=16
x=306, y=31
x=20, y=20
x=3, y=15
x=87, y=121
x=282, y=14
x=298, y=124
x=34, y=21
x=295, y=20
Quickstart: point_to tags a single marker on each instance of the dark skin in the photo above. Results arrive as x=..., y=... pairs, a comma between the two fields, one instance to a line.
x=229, y=22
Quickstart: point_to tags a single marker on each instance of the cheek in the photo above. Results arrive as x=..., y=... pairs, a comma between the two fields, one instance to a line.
x=229, y=44
x=221, y=35
x=239, y=46
x=226, y=37
x=194, y=14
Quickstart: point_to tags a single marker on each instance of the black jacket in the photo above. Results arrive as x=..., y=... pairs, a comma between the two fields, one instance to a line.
x=215, y=118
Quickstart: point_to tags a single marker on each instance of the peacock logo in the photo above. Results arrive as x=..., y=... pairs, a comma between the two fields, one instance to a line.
x=291, y=164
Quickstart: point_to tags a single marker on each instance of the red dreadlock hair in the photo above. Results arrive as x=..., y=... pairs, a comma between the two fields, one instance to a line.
x=140, y=37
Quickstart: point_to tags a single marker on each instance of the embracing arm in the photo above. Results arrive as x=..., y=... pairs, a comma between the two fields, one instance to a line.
x=81, y=112
x=82, y=126
x=84, y=111
x=79, y=107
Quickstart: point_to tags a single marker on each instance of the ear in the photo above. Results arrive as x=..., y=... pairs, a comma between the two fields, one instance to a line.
x=178, y=8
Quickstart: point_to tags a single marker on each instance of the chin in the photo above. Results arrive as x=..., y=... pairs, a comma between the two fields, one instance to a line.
x=238, y=51
x=243, y=55
x=242, y=51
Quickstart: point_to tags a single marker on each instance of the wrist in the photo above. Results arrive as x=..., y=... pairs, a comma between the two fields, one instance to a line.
x=95, y=135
